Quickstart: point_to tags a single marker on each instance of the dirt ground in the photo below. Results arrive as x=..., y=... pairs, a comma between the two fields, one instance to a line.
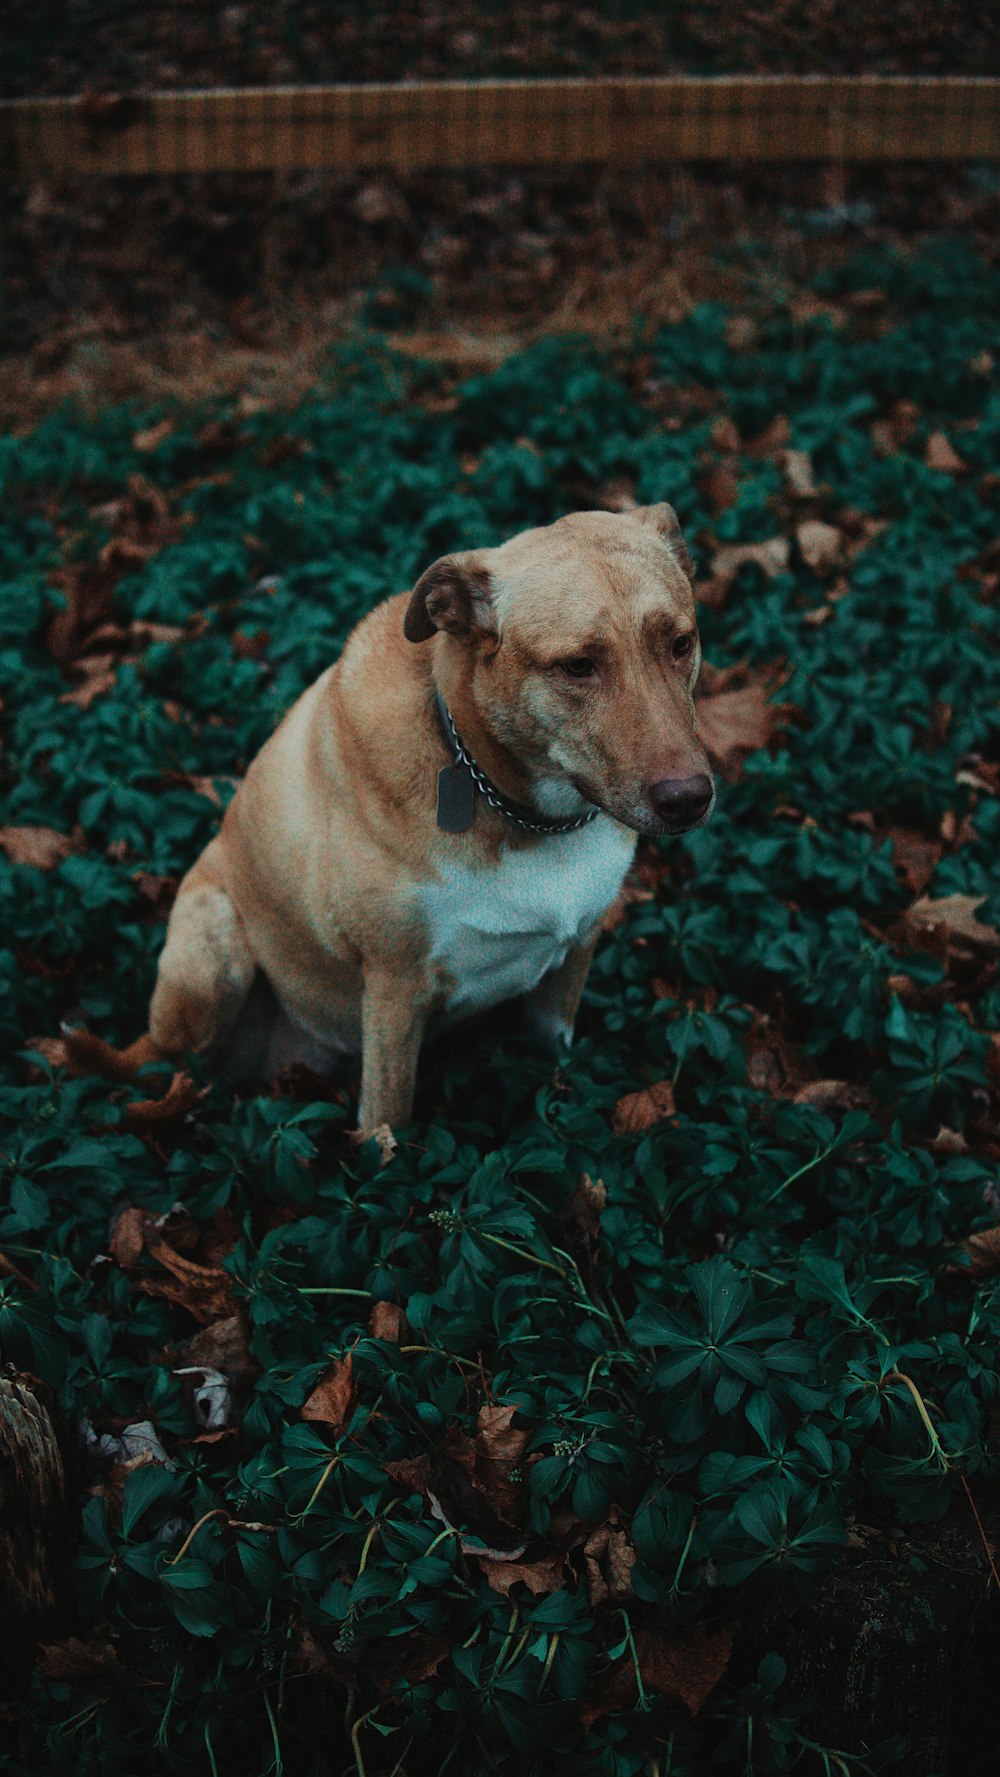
x=218, y=287
x=237, y=286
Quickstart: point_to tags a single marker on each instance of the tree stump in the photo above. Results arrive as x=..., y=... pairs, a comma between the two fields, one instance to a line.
x=903, y=1639
x=32, y=1516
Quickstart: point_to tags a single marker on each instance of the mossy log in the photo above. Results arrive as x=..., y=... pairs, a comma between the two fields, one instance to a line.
x=32, y=1516
x=903, y=1640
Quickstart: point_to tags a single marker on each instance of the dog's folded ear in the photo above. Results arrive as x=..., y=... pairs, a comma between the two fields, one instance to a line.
x=664, y=520
x=454, y=594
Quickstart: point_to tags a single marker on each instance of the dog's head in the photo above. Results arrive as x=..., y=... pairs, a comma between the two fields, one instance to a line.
x=579, y=647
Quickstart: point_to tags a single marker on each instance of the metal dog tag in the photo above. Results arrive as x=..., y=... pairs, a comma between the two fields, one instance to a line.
x=456, y=799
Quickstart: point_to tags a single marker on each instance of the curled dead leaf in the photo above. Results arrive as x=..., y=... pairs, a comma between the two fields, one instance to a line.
x=609, y=1558
x=641, y=1110
x=333, y=1397
x=586, y=1205
x=206, y=1291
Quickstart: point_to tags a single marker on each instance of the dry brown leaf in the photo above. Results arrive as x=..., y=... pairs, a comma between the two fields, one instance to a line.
x=685, y=1671
x=915, y=857
x=949, y=1141
x=821, y=545
x=206, y=1291
x=941, y=454
x=333, y=1397
x=95, y=1663
x=825, y=1095
x=51, y=1049
x=541, y=1577
x=724, y=434
x=640, y=1110
x=719, y=487
x=222, y=1345
x=469, y=1541
x=984, y=1253
x=152, y=436
x=387, y=1321
x=129, y=1236
x=771, y=555
x=609, y=1558
x=412, y=1472
x=798, y=468
x=736, y=723
x=98, y=679
x=585, y=1206
x=955, y=916
x=498, y=1438
x=40, y=847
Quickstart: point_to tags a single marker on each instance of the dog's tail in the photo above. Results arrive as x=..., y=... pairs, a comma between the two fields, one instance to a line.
x=87, y=1054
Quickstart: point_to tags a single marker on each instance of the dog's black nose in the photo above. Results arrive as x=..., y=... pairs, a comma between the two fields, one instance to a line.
x=680, y=801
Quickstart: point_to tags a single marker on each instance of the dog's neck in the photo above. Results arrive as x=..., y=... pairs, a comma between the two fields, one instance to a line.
x=544, y=789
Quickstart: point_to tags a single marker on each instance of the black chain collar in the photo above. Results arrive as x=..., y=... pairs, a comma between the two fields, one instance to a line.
x=455, y=803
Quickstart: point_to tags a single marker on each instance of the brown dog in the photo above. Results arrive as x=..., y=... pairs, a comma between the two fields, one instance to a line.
x=442, y=820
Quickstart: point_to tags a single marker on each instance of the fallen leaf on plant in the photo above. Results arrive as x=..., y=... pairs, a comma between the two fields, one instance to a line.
x=941, y=454
x=640, y=1110
x=609, y=1558
x=586, y=1204
x=497, y=1438
x=687, y=1672
x=333, y=1397
x=541, y=1577
x=799, y=477
x=735, y=723
x=821, y=545
x=387, y=1321
x=42, y=848
x=771, y=556
x=955, y=917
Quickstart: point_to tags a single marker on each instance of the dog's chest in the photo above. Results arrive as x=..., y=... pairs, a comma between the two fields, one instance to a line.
x=496, y=931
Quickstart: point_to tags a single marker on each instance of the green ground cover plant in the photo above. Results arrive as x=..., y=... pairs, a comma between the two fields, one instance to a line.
x=496, y=1456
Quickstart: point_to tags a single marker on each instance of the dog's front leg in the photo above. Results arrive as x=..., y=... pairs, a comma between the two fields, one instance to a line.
x=552, y=1005
x=394, y=1013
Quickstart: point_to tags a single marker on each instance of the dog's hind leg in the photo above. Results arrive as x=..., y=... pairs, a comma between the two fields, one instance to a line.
x=206, y=968
x=205, y=976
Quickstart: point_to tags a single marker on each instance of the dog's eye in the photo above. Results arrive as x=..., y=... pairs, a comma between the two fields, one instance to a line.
x=683, y=646
x=578, y=666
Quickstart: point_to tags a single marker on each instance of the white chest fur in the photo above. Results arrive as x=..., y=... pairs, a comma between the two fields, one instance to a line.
x=496, y=931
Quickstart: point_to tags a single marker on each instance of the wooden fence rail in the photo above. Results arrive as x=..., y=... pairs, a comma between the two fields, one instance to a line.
x=504, y=123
